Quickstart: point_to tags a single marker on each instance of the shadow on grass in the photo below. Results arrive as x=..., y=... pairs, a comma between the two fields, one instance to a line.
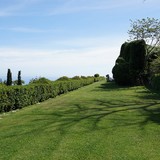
x=82, y=118
x=110, y=86
x=65, y=121
x=149, y=94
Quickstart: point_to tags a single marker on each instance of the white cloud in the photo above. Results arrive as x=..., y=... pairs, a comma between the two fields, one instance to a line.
x=30, y=30
x=58, y=62
x=89, y=42
x=13, y=7
x=72, y=6
x=81, y=56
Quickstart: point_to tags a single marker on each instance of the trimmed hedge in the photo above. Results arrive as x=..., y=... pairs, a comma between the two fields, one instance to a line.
x=17, y=97
x=130, y=63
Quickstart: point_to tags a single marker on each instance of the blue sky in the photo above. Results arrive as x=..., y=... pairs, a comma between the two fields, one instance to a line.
x=53, y=38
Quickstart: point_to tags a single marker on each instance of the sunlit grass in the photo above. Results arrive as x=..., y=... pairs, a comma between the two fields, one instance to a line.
x=98, y=122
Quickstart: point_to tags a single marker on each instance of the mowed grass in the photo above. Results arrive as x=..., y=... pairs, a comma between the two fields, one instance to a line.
x=98, y=122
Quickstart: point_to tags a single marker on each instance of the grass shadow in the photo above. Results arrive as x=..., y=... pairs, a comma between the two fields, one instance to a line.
x=82, y=118
x=64, y=120
x=110, y=86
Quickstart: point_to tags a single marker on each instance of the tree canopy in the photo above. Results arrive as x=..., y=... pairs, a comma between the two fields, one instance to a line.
x=147, y=29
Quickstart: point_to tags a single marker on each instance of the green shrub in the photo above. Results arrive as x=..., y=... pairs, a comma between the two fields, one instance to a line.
x=17, y=97
x=121, y=72
x=155, y=82
x=130, y=64
x=83, y=77
x=42, y=80
x=76, y=77
x=63, y=78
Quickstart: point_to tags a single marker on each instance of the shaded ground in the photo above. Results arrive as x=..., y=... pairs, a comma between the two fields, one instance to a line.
x=100, y=121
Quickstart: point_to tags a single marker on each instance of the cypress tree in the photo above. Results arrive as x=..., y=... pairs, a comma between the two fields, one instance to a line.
x=19, y=82
x=9, y=78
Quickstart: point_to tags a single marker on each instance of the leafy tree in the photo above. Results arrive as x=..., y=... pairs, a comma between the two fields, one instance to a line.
x=19, y=81
x=147, y=29
x=9, y=78
x=41, y=80
x=96, y=75
x=16, y=82
x=63, y=78
x=83, y=77
x=76, y=77
x=155, y=66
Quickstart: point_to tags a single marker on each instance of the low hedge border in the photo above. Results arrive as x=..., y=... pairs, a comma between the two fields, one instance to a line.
x=17, y=97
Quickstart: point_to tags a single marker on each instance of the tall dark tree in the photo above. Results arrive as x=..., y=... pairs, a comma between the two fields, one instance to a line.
x=19, y=82
x=129, y=67
x=9, y=78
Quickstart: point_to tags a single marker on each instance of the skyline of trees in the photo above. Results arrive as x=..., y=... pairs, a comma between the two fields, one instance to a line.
x=9, y=80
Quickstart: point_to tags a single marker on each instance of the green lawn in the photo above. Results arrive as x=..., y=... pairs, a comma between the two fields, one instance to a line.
x=97, y=122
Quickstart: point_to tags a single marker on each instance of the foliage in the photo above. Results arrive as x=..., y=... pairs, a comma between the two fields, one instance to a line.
x=83, y=77
x=16, y=82
x=155, y=82
x=121, y=72
x=96, y=75
x=155, y=62
x=63, y=78
x=97, y=122
x=19, y=81
x=147, y=29
x=76, y=77
x=41, y=89
x=40, y=80
x=130, y=64
x=9, y=78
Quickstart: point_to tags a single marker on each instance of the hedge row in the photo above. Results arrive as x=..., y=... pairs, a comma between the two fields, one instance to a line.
x=17, y=97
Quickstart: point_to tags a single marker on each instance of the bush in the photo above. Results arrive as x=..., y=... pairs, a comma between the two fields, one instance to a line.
x=64, y=78
x=76, y=77
x=96, y=75
x=40, y=80
x=130, y=63
x=155, y=82
x=83, y=77
x=121, y=72
x=17, y=97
